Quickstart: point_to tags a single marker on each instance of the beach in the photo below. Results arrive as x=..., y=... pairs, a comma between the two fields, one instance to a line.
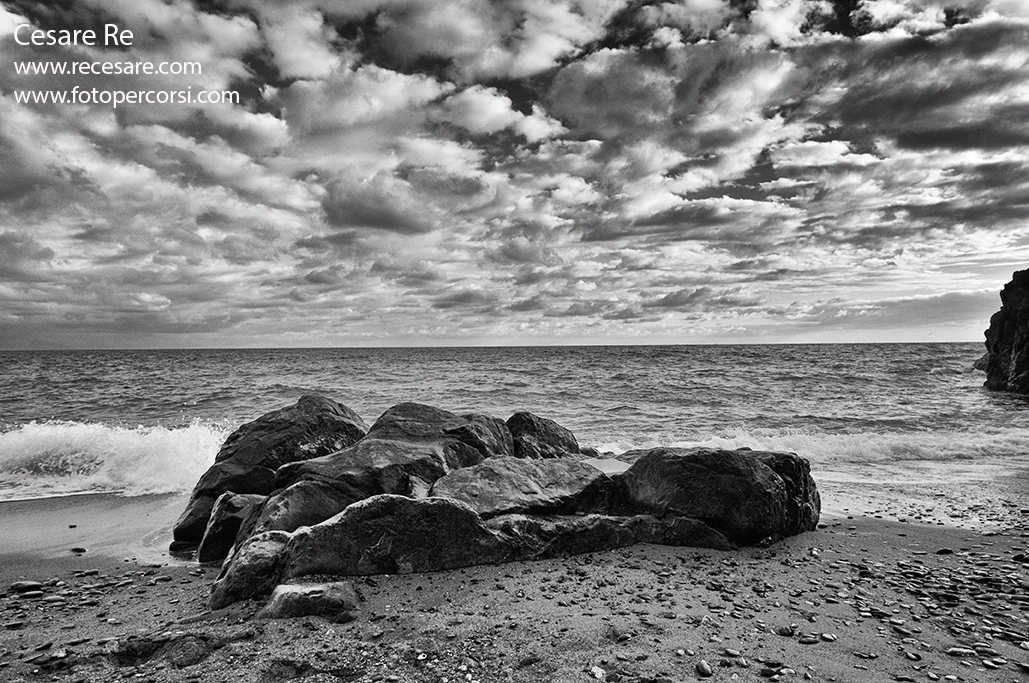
x=860, y=599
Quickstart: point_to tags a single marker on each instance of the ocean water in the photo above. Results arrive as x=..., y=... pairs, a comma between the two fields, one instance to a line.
x=138, y=422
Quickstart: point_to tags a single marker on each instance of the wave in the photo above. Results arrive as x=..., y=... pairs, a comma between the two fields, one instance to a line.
x=42, y=459
x=862, y=447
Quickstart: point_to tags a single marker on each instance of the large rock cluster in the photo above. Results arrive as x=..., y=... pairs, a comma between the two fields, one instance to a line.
x=1007, y=340
x=428, y=490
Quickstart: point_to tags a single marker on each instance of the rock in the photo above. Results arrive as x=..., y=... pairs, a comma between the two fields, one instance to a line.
x=488, y=435
x=803, y=504
x=247, y=461
x=187, y=650
x=304, y=503
x=538, y=437
x=540, y=538
x=407, y=449
x=26, y=586
x=251, y=571
x=1007, y=340
x=389, y=534
x=226, y=517
x=335, y=600
x=732, y=491
x=503, y=485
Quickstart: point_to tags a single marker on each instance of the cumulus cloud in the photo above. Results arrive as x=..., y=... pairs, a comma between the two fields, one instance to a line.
x=422, y=171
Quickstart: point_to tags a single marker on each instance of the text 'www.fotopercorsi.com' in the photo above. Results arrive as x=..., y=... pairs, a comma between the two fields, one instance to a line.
x=60, y=70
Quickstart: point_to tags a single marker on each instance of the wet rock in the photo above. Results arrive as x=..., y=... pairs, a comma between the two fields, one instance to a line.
x=227, y=515
x=335, y=600
x=247, y=461
x=538, y=437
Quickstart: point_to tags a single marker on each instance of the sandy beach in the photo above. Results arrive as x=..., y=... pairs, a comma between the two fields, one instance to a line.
x=860, y=599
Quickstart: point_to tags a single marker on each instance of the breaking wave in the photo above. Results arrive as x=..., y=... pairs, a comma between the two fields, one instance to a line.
x=43, y=459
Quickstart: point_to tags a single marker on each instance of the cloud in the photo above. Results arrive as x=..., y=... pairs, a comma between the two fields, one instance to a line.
x=415, y=171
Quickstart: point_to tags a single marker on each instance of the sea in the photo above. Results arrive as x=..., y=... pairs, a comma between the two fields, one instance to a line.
x=145, y=422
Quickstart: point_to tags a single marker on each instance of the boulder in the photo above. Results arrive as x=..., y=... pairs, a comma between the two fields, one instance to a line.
x=538, y=437
x=336, y=600
x=539, y=538
x=252, y=571
x=247, y=461
x=301, y=504
x=803, y=504
x=732, y=491
x=390, y=534
x=1007, y=340
x=226, y=517
x=407, y=449
x=503, y=485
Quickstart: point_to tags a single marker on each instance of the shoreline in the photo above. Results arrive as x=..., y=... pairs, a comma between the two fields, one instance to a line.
x=859, y=599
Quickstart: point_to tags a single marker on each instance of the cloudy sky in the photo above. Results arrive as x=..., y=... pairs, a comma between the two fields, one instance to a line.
x=426, y=172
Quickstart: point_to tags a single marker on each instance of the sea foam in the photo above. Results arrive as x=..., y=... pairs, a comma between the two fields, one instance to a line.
x=54, y=458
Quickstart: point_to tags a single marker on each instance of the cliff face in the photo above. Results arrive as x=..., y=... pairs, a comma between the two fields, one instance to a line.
x=1007, y=341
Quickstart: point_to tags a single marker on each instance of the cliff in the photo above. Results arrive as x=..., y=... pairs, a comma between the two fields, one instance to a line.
x=1007, y=340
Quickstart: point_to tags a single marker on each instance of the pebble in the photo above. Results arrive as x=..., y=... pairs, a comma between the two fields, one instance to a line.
x=26, y=586
x=704, y=669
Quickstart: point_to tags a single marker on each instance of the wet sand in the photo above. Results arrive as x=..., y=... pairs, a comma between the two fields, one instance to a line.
x=860, y=599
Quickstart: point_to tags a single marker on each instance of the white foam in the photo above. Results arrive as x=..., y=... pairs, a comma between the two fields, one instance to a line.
x=56, y=458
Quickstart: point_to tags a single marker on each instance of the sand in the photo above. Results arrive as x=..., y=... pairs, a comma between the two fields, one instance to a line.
x=860, y=599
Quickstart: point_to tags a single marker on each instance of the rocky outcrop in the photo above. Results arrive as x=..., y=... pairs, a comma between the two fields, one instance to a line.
x=735, y=492
x=247, y=461
x=390, y=534
x=508, y=485
x=428, y=490
x=226, y=517
x=1007, y=340
x=538, y=437
x=407, y=449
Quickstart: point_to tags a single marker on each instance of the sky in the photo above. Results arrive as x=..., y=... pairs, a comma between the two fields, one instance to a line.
x=478, y=172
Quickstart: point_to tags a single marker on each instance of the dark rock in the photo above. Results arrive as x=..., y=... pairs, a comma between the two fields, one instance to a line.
x=407, y=449
x=504, y=485
x=538, y=538
x=247, y=461
x=251, y=571
x=335, y=600
x=227, y=515
x=488, y=435
x=538, y=437
x=1007, y=340
x=734, y=492
x=803, y=504
x=301, y=504
x=390, y=534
